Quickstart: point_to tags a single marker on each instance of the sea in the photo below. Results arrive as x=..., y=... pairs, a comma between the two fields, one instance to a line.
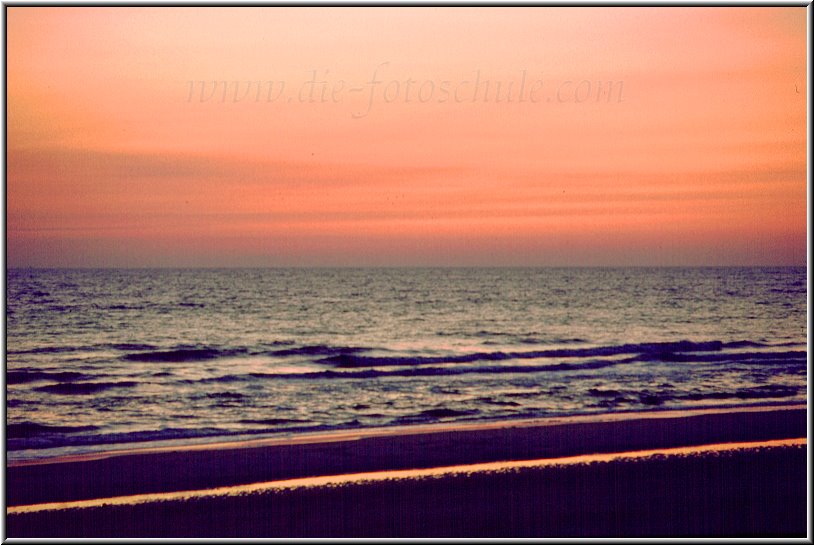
x=107, y=359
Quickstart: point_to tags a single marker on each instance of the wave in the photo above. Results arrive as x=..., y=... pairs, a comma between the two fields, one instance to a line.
x=765, y=358
x=411, y=368
x=84, y=348
x=652, y=349
x=121, y=307
x=47, y=350
x=187, y=353
x=756, y=344
x=23, y=377
x=757, y=392
x=130, y=346
x=519, y=340
x=84, y=388
x=39, y=293
x=599, y=392
x=280, y=343
x=529, y=337
x=493, y=401
x=412, y=372
x=55, y=439
x=225, y=395
x=610, y=398
x=180, y=355
x=273, y=421
x=317, y=350
x=25, y=430
x=351, y=356
x=435, y=414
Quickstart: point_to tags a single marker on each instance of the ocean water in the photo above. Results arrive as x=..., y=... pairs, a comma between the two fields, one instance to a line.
x=101, y=359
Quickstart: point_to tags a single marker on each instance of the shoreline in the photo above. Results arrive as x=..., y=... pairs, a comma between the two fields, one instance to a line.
x=199, y=467
x=331, y=435
x=746, y=491
x=716, y=472
x=372, y=477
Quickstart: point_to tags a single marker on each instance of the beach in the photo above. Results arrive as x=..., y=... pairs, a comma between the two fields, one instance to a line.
x=717, y=472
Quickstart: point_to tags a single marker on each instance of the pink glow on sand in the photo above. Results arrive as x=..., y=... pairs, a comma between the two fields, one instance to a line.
x=360, y=478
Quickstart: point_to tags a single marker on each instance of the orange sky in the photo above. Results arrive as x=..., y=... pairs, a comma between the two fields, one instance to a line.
x=116, y=159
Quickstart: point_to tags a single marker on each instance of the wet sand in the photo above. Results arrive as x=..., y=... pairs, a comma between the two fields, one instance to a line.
x=732, y=490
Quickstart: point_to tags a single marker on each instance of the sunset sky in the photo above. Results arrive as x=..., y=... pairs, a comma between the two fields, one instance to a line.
x=124, y=149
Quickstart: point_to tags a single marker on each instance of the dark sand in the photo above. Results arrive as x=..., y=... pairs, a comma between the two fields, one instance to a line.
x=755, y=491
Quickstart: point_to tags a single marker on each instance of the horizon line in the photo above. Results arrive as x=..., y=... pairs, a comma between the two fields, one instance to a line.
x=266, y=267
